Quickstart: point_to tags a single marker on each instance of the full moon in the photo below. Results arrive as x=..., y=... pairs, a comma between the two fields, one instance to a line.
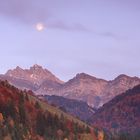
x=40, y=26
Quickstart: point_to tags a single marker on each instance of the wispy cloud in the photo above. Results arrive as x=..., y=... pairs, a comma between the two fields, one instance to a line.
x=31, y=12
x=69, y=27
x=27, y=11
x=108, y=35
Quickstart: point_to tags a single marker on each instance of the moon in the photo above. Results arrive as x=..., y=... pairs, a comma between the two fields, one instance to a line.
x=40, y=27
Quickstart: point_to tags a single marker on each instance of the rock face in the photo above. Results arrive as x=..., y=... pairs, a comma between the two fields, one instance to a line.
x=121, y=114
x=83, y=87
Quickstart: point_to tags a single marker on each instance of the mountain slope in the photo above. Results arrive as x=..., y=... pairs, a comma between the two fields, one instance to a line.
x=24, y=117
x=77, y=108
x=121, y=114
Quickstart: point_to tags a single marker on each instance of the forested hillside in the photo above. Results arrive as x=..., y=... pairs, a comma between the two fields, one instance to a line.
x=22, y=117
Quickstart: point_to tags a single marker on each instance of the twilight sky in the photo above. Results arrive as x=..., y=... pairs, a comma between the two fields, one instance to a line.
x=98, y=37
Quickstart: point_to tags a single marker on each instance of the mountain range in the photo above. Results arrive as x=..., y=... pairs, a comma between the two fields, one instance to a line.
x=94, y=91
x=116, y=105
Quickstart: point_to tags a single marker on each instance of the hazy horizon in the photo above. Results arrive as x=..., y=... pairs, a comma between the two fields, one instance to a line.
x=100, y=38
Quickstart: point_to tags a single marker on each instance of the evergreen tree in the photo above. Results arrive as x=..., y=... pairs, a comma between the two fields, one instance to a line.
x=40, y=124
x=37, y=105
x=87, y=129
x=26, y=97
x=22, y=114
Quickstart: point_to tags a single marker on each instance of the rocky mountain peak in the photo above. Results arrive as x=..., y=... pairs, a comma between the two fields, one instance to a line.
x=85, y=76
x=18, y=68
x=36, y=74
x=126, y=80
x=15, y=72
x=39, y=71
x=36, y=67
x=123, y=76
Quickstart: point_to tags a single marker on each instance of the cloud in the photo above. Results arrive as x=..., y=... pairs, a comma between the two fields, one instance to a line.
x=31, y=12
x=27, y=11
x=109, y=35
x=64, y=26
